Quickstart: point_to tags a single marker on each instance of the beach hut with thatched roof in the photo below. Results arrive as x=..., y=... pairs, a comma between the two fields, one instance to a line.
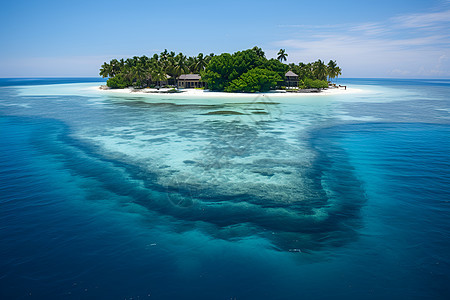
x=291, y=79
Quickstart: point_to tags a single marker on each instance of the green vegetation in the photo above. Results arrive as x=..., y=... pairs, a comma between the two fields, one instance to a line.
x=119, y=81
x=158, y=70
x=309, y=83
x=255, y=80
x=316, y=70
x=243, y=71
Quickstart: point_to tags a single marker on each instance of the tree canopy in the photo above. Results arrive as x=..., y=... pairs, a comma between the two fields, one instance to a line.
x=316, y=70
x=243, y=71
x=143, y=71
x=227, y=69
x=255, y=80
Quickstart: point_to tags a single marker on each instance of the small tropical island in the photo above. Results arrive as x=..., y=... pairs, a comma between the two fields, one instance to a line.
x=247, y=71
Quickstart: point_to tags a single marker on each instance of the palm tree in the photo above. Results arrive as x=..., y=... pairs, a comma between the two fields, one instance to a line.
x=201, y=62
x=158, y=74
x=163, y=56
x=121, y=63
x=208, y=58
x=320, y=70
x=338, y=71
x=332, y=68
x=135, y=60
x=115, y=67
x=179, y=66
x=282, y=55
x=143, y=60
x=191, y=62
x=105, y=70
x=127, y=73
x=138, y=73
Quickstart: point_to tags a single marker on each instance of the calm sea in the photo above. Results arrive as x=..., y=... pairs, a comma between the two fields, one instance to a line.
x=106, y=195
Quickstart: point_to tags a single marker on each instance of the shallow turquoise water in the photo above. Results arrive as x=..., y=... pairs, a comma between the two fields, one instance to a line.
x=111, y=196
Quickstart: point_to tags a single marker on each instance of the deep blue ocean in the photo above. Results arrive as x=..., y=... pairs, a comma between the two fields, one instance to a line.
x=105, y=195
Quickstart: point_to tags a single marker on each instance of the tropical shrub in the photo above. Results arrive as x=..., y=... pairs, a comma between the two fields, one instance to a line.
x=118, y=82
x=255, y=80
x=314, y=84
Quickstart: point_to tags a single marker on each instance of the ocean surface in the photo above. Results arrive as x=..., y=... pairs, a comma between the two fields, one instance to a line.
x=106, y=195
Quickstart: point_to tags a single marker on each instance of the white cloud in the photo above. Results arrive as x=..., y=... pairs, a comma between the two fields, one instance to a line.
x=423, y=20
x=304, y=26
x=370, y=28
x=413, y=45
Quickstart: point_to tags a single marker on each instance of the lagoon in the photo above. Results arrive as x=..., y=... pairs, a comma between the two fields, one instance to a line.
x=116, y=195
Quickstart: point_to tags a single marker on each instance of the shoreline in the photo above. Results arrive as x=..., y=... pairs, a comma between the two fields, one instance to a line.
x=207, y=93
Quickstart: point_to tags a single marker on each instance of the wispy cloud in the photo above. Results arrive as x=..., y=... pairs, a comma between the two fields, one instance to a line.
x=435, y=20
x=410, y=45
x=371, y=28
x=304, y=26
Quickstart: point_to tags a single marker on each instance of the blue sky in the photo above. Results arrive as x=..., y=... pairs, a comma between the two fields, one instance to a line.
x=395, y=38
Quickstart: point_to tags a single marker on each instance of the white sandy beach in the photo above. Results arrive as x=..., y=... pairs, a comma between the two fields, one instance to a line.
x=197, y=93
x=90, y=89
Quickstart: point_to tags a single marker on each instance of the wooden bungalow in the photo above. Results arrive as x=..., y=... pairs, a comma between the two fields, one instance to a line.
x=190, y=81
x=291, y=79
